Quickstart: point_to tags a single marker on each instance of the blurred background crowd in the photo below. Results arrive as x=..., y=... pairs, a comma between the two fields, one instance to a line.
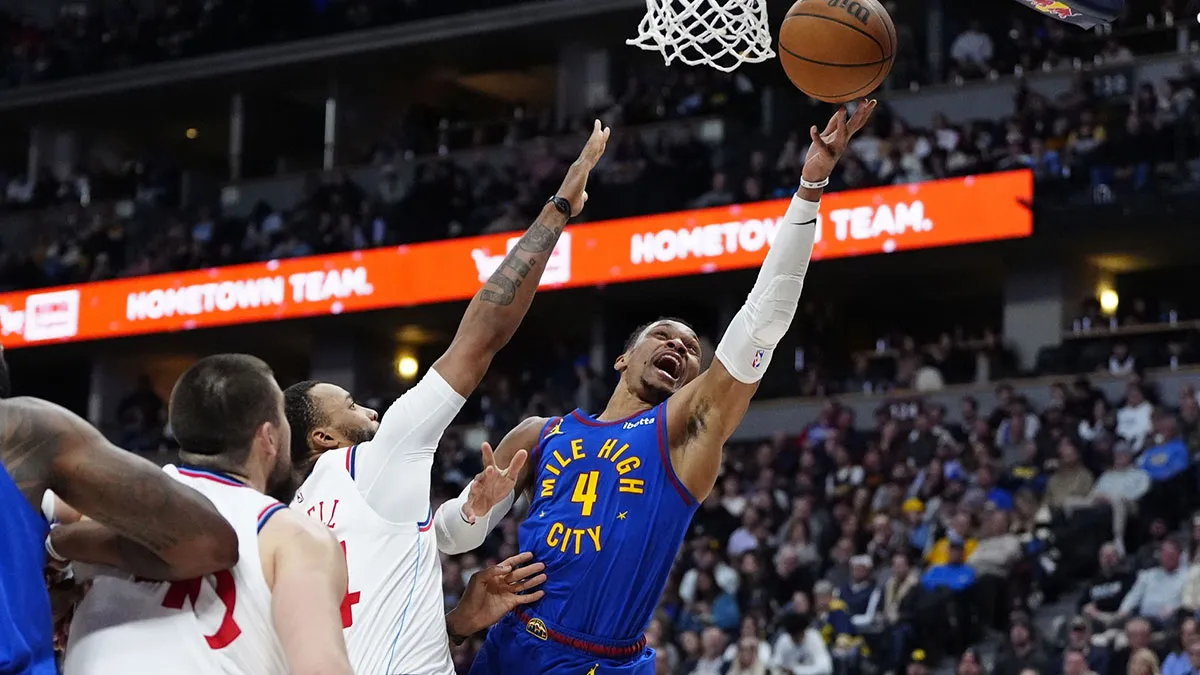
x=920, y=491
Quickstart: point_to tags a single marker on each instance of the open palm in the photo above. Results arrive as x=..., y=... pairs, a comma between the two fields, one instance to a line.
x=492, y=484
x=827, y=146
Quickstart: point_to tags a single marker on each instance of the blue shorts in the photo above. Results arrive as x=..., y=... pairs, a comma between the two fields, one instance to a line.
x=511, y=650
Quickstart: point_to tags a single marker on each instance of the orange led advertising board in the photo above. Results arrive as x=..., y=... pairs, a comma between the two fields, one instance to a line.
x=854, y=223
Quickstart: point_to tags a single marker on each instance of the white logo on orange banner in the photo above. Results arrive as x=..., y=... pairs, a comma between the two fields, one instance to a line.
x=52, y=316
x=11, y=320
x=558, y=268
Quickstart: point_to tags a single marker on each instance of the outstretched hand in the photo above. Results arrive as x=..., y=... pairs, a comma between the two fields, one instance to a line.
x=492, y=484
x=574, y=186
x=827, y=146
x=496, y=591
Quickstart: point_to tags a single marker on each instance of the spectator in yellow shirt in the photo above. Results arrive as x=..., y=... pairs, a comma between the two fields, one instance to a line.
x=960, y=528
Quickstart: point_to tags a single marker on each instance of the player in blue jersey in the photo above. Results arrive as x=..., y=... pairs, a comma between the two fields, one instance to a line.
x=612, y=495
x=160, y=528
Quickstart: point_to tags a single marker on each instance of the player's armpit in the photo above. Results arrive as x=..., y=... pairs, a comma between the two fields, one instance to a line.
x=700, y=419
x=130, y=495
x=306, y=571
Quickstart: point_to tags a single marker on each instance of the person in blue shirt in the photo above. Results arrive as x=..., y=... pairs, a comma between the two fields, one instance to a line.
x=834, y=623
x=1165, y=460
x=920, y=531
x=955, y=575
x=1179, y=662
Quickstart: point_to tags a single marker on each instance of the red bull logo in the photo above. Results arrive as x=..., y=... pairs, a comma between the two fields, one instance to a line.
x=1054, y=8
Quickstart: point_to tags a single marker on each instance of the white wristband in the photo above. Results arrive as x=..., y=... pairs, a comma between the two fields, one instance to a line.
x=50, y=549
x=813, y=186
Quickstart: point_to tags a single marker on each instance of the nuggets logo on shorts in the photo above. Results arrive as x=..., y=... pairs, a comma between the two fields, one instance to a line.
x=537, y=629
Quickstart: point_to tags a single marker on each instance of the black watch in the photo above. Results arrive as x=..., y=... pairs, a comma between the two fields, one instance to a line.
x=560, y=203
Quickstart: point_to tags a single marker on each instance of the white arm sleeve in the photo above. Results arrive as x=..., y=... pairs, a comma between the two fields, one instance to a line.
x=455, y=535
x=392, y=469
x=756, y=329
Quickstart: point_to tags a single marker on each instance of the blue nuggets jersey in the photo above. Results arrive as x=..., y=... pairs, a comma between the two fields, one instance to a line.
x=26, y=631
x=607, y=518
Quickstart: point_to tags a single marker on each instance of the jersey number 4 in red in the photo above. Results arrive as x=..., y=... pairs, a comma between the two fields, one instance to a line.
x=350, y=600
x=185, y=591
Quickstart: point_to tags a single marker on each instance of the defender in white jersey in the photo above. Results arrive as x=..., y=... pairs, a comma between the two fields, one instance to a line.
x=369, y=481
x=278, y=610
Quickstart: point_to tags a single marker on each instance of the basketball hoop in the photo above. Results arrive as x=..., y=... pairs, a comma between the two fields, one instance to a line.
x=718, y=33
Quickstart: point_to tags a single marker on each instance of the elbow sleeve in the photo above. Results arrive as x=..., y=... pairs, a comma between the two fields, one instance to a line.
x=756, y=329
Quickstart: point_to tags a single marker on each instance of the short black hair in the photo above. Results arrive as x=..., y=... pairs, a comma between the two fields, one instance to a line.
x=303, y=415
x=794, y=623
x=218, y=405
x=633, y=338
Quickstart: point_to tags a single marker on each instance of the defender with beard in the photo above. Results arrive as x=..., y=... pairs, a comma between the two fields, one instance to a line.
x=612, y=495
x=368, y=481
x=278, y=610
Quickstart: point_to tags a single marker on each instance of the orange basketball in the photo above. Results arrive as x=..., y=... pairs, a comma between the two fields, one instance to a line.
x=837, y=50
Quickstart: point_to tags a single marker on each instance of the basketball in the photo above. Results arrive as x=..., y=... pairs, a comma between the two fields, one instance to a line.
x=837, y=50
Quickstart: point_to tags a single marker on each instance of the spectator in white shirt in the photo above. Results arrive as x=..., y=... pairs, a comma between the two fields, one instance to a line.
x=1026, y=429
x=712, y=654
x=744, y=538
x=733, y=501
x=972, y=49
x=1134, y=421
x=750, y=631
x=1158, y=592
x=727, y=577
x=799, y=649
x=1120, y=488
x=1120, y=361
x=749, y=660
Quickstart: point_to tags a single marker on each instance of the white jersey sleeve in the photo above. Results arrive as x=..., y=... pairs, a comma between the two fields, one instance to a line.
x=392, y=470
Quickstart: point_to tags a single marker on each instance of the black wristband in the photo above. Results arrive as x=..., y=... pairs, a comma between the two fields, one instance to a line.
x=560, y=203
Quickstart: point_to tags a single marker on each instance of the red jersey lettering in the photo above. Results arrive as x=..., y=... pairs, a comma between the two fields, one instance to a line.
x=181, y=591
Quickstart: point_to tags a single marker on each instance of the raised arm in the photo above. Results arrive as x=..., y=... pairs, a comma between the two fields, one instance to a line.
x=464, y=522
x=306, y=571
x=395, y=465
x=704, y=414
x=498, y=308
x=154, y=526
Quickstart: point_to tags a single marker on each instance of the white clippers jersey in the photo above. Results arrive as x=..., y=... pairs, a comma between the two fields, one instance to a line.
x=219, y=624
x=393, y=612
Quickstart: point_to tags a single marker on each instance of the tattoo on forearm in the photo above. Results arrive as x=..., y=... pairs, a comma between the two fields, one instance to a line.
x=539, y=240
x=27, y=452
x=506, y=279
x=45, y=447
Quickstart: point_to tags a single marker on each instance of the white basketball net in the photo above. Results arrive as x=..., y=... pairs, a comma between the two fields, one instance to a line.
x=718, y=33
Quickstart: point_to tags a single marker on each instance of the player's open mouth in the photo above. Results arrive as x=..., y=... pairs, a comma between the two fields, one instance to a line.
x=669, y=364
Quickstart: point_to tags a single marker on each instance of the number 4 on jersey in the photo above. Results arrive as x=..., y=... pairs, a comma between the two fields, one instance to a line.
x=585, y=491
x=351, y=599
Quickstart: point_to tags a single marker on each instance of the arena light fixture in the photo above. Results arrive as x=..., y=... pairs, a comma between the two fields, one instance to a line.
x=407, y=366
x=1109, y=301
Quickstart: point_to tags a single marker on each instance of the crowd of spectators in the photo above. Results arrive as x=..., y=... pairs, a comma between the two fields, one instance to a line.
x=878, y=546
x=89, y=36
x=992, y=40
x=1079, y=141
